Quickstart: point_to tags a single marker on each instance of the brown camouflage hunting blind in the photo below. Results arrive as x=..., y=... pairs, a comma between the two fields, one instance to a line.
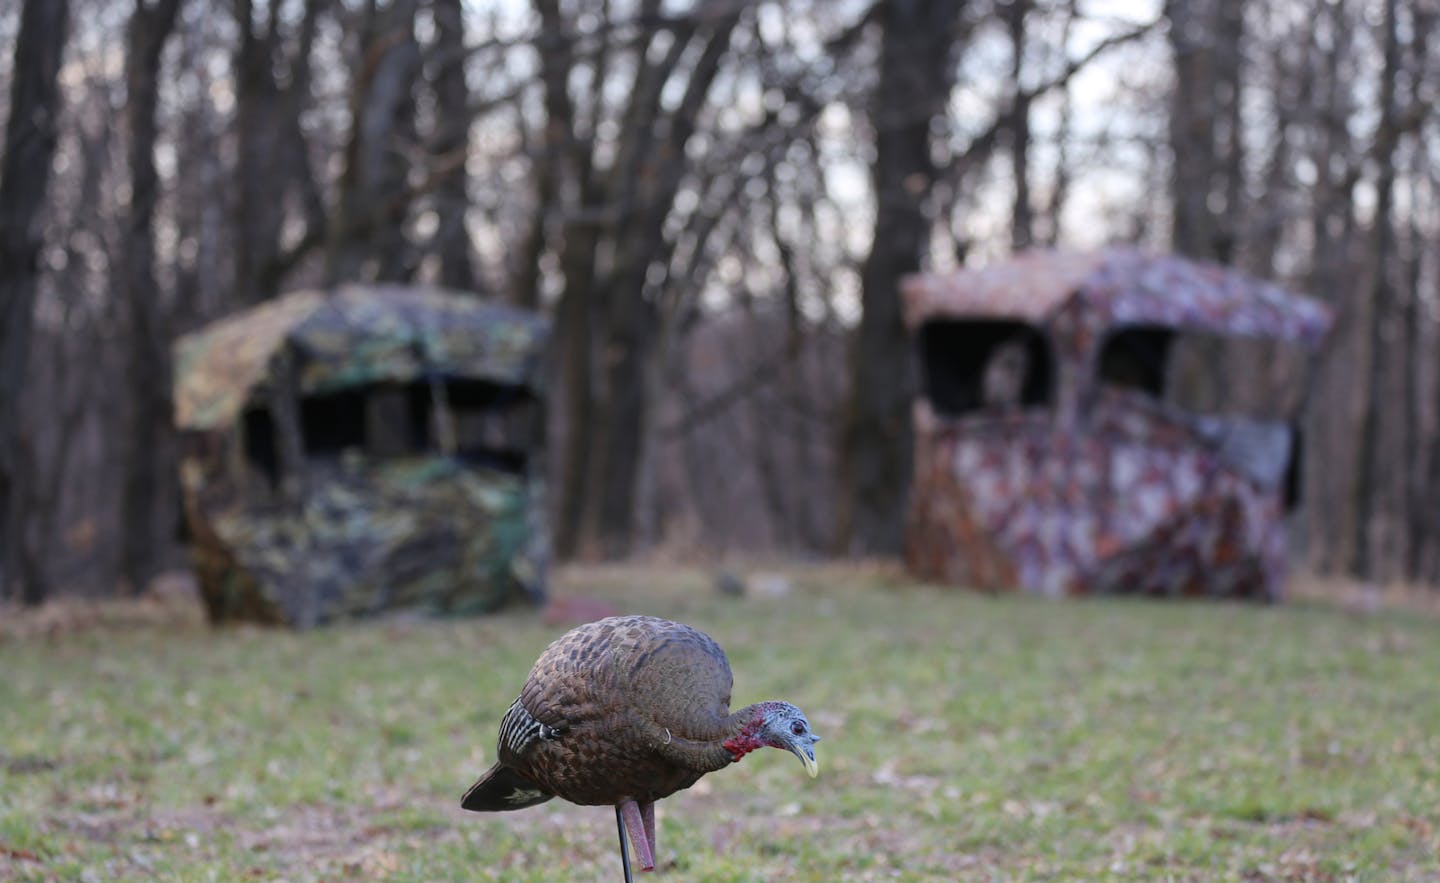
x=361, y=450
x=1051, y=454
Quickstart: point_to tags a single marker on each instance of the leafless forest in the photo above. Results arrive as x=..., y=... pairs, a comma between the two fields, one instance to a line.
x=714, y=201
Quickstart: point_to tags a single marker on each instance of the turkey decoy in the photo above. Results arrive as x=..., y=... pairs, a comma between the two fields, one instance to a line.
x=623, y=712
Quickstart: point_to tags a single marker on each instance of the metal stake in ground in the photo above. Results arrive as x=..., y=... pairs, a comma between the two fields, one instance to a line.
x=624, y=854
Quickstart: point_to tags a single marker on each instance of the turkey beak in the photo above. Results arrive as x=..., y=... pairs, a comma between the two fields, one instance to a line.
x=804, y=748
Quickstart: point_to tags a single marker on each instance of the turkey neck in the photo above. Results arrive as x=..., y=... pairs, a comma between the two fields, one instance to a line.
x=730, y=739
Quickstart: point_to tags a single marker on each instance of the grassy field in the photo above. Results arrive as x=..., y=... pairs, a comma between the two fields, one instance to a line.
x=965, y=738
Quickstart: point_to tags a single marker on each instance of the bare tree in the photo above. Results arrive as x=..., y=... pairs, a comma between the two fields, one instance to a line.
x=918, y=39
x=24, y=176
x=147, y=478
x=1421, y=326
x=450, y=146
x=1382, y=491
x=622, y=163
x=1022, y=220
x=1204, y=36
x=1206, y=161
x=650, y=169
x=272, y=159
x=367, y=237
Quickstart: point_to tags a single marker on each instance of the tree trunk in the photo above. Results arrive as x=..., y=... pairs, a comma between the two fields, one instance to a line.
x=573, y=400
x=367, y=237
x=1206, y=39
x=1060, y=188
x=30, y=137
x=1022, y=223
x=1205, y=180
x=1370, y=519
x=1229, y=71
x=450, y=146
x=574, y=326
x=259, y=210
x=1192, y=126
x=146, y=483
x=1423, y=435
x=916, y=74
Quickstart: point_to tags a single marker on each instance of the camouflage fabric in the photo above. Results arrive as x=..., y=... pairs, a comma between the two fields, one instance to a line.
x=423, y=531
x=349, y=337
x=425, y=534
x=1080, y=295
x=1105, y=489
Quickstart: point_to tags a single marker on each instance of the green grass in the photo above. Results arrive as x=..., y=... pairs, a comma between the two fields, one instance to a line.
x=965, y=737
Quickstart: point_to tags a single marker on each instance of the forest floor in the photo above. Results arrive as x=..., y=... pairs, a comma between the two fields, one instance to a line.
x=965, y=737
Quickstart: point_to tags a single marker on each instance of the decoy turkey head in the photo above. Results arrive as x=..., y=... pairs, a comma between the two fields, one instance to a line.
x=782, y=725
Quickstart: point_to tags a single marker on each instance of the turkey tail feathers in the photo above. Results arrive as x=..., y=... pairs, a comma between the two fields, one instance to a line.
x=502, y=789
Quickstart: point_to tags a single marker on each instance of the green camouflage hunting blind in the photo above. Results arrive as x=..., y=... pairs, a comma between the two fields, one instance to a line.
x=361, y=450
